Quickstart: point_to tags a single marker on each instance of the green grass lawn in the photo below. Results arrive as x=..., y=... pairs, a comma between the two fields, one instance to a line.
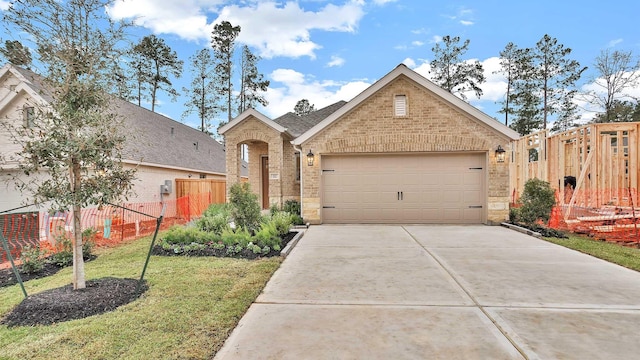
x=617, y=254
x=189, y=310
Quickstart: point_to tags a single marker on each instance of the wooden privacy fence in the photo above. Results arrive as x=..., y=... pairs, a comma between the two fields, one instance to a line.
x=216, y=190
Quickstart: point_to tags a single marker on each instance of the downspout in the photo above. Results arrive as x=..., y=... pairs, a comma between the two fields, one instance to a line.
x=298, y=148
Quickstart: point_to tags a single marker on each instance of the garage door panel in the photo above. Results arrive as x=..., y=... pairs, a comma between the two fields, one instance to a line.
x=434, y=188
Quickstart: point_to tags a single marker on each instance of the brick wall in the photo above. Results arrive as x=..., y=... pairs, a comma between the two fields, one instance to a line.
x=431, y=124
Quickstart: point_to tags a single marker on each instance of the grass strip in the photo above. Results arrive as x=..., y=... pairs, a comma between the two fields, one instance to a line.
x=622, y=255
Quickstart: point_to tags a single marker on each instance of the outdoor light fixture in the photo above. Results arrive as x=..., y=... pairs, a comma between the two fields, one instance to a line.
x=310, y=158
x=500, y=154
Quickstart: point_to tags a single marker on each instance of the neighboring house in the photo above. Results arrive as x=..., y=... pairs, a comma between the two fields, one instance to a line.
x=402, y=151
x=160, y=148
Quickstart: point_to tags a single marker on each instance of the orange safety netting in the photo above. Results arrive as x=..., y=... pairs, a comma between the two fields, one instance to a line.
x=112, y=225
x=608, y=214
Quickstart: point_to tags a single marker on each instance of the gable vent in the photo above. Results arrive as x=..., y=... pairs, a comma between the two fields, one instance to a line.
x=400, y=105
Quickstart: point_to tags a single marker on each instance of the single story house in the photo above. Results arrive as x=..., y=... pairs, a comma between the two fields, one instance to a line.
x=402, y=151
x=161, y=149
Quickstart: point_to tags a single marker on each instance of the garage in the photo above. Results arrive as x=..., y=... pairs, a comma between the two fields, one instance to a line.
x=426, y=188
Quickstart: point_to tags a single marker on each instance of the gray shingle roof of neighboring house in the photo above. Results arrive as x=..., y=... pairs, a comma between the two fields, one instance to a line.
x=155, y=139
x=297, y=125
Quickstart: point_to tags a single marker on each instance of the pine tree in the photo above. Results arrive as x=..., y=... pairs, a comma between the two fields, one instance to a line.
x=156, y=63
x=203, y=98
x=303, y=107
x=252, y=83
x=223, y=40
x=451, y=72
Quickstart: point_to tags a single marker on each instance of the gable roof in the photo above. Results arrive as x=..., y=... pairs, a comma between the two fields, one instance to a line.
x=296, y=125
x=424, y=82
x=149, y=139
x=256, y=114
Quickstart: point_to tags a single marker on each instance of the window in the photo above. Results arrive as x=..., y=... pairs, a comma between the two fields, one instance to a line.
x=29, y=116
x=203, y=176
x=297, y=166
x=400, y=105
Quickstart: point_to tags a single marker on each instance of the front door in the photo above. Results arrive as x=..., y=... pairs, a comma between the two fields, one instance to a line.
x=265, y=182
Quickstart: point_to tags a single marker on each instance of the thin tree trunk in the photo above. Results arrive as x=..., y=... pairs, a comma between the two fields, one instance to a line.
x=78, y=260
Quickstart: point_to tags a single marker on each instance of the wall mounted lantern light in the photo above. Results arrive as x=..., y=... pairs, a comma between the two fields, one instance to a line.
x=310, y=158
x=500, y=153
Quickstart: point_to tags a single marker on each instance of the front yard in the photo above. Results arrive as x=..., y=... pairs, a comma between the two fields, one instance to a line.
x=192, y=305
x=625, y=256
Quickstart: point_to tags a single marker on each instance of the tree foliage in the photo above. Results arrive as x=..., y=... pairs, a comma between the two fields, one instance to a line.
x=620, y=111
x=252, y=83
x=223, y=40
x=155, y=63
x=75, y=138
x=537, y=201
x=451, y=72
x=616, y=72
x=16, y=53
x=303, y=107
x=202, y=96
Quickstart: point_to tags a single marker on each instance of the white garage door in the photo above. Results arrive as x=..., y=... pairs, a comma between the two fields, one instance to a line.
x=422, y=188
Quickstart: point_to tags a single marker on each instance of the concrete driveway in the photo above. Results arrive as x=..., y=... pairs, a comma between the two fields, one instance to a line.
x=439, y=292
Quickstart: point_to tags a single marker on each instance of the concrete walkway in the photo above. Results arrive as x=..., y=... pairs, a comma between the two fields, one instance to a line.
x=439, y=292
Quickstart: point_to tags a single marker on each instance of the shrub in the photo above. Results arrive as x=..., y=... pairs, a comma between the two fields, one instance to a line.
x=188, y=235
x=215, y=219
x=268, y=236
x=281, y=221
x=292, y=207
x=537, y=201
x=32, y=259
x=245, y=209
x=238, y=237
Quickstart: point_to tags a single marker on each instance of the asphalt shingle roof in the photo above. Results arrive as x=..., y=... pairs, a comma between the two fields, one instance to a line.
x=297, y=125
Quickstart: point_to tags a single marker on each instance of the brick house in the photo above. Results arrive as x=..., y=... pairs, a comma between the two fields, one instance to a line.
x=402, y=151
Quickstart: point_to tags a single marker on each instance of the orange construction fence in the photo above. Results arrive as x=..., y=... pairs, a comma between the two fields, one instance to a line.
x=112, y=225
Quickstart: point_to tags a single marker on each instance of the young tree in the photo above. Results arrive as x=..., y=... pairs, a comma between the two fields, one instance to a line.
x=75, y=138
x=555, y=76
x=203, y=98
x=158, y=63
x=515, y=63
x=616, y=72
x=252, y=83
x=16, y=53
x=303, y=107
x=223, y=40
x=451, y=72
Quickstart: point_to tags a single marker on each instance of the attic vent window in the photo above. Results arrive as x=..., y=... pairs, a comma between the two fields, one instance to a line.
x=173, y=132
x=195, y=145
x=29, y=116
x=400, y=105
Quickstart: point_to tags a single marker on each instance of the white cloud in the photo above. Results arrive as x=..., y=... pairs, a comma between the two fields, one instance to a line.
x=420, y=31
x=614, y=42
x=383, y=2
x=435, y=39
x=4, y=5
x=466, y=22
x=336, y=61
x=409, y=62
x=288, y=86
x=274, y=28
x=417, y=43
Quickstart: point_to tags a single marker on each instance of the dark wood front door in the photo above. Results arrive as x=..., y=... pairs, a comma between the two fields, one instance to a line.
x=265, y=182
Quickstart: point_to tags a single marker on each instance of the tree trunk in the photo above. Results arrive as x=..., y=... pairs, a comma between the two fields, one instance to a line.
x=78, y=260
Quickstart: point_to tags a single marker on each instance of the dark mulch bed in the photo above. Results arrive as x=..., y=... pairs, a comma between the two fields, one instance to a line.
x=64, y=303
x=8, y=277
x=210, y=251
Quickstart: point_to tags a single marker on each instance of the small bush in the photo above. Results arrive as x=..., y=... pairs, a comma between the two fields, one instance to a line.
x=32, y=259
x=268, y=236
x=239, y=236
x=292, y=207
x=282, y=222
x=537, y=201
x=187, y=235
x=245, y=209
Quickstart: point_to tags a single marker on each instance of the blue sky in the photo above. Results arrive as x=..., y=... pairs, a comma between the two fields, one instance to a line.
x=330, y=50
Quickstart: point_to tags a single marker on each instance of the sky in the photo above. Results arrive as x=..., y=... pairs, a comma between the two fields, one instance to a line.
x=331, y=50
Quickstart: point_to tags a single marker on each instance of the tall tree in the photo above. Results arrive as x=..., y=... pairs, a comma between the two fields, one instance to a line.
x=303, y=107
x=514, y=64
x=252, y=83
x=223, y=40
x=160, y=62
x=616, y=72
x=555, y=76
x=203, y=98
x=620, y=111
x=16, y=53
x=75, y=138
x=451, y=72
